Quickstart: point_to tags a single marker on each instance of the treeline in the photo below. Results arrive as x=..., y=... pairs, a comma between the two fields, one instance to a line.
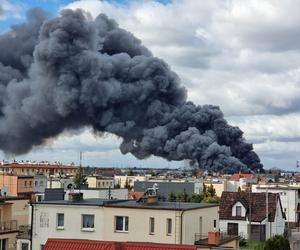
x=208, y=195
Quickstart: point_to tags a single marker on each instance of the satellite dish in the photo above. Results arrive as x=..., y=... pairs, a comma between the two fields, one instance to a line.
x=70, y=186
x=4, y=191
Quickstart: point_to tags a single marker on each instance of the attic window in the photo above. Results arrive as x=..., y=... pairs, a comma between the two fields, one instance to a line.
x=238, y=211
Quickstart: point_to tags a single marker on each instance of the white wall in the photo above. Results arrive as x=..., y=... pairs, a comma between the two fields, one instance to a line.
x=243, y=226
x=243, y=212
x=277, y=227
x=289, y=200
x=119, y=194
x=72, y=221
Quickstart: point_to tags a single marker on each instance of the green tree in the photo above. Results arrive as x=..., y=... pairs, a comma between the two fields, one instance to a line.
x=277, y=242
x=197, y=198
x=214, y=199
x=211, y=191
x=127, y=185
x=239, y=189
x=179, y=197
x=204, y=190
x=171, y=197
x=79, y=178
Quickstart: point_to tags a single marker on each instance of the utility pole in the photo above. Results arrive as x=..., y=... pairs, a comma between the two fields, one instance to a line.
x=249, y=232
x=80, y=159
x=267, y=211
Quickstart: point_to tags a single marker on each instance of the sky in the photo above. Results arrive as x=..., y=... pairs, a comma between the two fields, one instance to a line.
x=240, y=55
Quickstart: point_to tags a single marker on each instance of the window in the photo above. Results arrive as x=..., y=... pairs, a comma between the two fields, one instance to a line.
x=3, y=244
x=60, y=223
x=41, y=183
x=30, y=183
x=88, y=221
x=238, y=211
x=25, y=183
x=121, y=223
x=215, y=224
x=35, y=183
x=24, y=246
x=151, y=225
x=169, y=226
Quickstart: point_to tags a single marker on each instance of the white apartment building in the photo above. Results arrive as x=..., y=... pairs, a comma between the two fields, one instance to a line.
x=67, y=219
x=290, y=199
x=95, y=219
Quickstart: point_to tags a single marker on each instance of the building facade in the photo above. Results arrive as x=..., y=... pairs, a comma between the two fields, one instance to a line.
x=96, y=219
x=253, y=216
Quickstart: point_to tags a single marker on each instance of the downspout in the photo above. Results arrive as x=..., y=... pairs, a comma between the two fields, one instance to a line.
x=181, y=226
x=31, y=226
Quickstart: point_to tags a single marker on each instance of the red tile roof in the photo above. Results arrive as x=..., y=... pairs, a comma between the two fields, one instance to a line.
x=135, y=195
x=258, y=205
x=66, y=244
x=238, y=176
x=38, y=166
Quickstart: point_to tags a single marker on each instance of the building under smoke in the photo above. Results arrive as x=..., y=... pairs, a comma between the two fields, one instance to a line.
x=71, y=71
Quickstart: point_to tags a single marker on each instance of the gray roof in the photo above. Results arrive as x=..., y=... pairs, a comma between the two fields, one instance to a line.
x=131, y=204
x=85, y=202
x=161, y=205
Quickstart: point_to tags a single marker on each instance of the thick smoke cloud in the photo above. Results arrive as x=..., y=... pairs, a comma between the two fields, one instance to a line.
x=81, y=72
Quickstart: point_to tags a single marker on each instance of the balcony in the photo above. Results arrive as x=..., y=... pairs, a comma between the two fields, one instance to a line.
x=202, y=239
x=8, y=226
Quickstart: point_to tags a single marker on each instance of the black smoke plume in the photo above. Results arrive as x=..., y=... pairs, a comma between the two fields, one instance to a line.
x=72, y=71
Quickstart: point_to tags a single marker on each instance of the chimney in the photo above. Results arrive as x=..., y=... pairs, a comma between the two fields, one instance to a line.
x=152, y=199
x=213, y=238
x=75, y=196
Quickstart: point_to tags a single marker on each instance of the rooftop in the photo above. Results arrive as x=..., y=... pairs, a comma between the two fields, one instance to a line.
x=131, y=204
x=161, y=205
x=60, y=244
x=257, y=201
x=85, y=202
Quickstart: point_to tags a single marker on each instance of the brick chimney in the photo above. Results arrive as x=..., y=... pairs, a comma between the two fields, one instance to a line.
x=213, y=238
x=75, y=196
x=151, y=199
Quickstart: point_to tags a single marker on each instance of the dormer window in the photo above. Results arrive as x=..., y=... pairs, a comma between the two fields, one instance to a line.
x=238, y=211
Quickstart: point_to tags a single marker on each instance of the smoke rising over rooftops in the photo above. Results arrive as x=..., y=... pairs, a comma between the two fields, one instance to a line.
x=72, y=71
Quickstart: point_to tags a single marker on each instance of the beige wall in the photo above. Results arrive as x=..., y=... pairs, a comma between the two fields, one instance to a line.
x=91, y=180
x=95, y=182
x=139, y=224
x=191, y=223
x=121, y=180
x=20, y=211
x=11, y=237
x=219, y=187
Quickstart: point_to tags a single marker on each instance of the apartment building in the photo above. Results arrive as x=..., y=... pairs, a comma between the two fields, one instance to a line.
x=45, y=168
x=127, y=180
x=100, y=182
x=290, y=200
x=16, y=185
x=13, y=213
x=144, y=221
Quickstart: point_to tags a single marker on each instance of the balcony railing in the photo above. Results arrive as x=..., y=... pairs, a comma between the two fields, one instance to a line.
x=8, y=226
